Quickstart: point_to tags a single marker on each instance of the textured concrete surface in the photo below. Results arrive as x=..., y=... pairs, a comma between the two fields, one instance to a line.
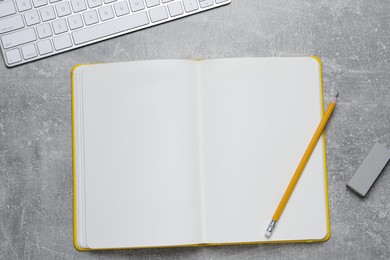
x=352, y=38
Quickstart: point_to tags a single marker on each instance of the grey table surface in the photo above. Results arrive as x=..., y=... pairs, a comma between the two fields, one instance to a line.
x=351, y=37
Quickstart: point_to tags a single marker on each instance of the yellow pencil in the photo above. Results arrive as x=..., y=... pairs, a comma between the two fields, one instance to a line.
x=300, y=167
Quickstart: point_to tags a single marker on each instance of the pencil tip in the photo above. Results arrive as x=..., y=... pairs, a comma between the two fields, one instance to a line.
x=337, y=95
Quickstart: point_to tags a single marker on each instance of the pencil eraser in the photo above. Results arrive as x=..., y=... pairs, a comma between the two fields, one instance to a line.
x=369, y=169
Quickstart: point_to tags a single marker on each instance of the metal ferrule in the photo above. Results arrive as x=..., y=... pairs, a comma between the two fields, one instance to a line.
x=271, y=226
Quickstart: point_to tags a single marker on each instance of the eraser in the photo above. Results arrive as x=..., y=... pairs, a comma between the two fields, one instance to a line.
x=369, y=169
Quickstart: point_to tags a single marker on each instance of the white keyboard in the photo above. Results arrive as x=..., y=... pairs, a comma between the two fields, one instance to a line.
x=34, y=29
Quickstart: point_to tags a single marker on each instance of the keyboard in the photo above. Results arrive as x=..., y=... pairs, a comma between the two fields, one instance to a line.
x=34, y=29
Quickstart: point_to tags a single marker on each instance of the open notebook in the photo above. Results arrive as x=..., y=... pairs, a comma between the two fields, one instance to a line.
x=181, y=152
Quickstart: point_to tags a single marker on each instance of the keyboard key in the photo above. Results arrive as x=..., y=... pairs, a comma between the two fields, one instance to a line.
x=175, y=9
x=44, y=30
x=121, y=8
x=47, y=13
x=7, y=8
x=136, y=5
x=151, y=3
x=109, y=1
x=106, y=13
x=38, y=3
x=63, y=9
x=59, y=26
x=62, y=42
x=54, y=1
x=75, y=21
x=158, y=14
x=18, y=38
x=29, y=51
x=94, y=3
x=44, y=47
x=90, y=17
x=11, y=23
x=13, y=56
x=78, y=5
x=166, y=1
x=32, y=18
x=105, y=29
x=206, y=3
x=23, y=5
x=190, y=5
x=220, y=1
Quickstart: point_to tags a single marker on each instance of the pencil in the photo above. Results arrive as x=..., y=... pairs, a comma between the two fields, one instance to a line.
x=301, y=166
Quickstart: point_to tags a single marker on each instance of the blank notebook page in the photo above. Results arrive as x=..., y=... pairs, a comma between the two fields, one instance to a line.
x=141, y=159
x=258, y=117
